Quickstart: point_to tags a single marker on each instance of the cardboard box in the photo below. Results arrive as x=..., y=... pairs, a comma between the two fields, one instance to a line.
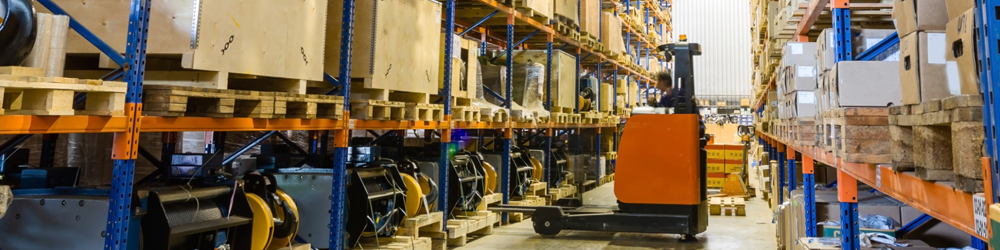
x=716, y=152
x=922, y=67
x=963, y=78
x=799, y=53
x=802, y=77
x=716, y=166
x=802, y=103
x=733, y=166
x=734, y=152
x=923, y=15
x=826, y=47
x=716, y=180
x=865, y=84
x=958, y=7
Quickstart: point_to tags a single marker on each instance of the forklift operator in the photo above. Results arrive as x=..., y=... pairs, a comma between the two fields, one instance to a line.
x=664, y=83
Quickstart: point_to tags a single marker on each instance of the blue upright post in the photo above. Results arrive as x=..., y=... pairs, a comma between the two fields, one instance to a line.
x=847, y=184
x=781, y=171
x=126, y=144
x=808, y=183
x=445, y=159
x=988, y=31
x=791, y=170
x=547, y=148
x=338, y=201
x=508, y=132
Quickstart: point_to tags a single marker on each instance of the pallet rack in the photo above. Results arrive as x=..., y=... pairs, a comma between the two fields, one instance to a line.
x=127, y=128
x=940, y=201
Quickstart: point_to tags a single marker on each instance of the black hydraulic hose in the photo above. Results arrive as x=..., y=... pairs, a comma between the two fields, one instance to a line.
x=17, y=31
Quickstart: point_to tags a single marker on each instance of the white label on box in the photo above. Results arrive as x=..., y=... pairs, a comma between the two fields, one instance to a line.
x=796, y=48
x=871, y=42
x=456, y=47
x=954, y=80
x=829, y=39
x=979, y=212
x=935, y=48
x=805, y=71
x=807, y=97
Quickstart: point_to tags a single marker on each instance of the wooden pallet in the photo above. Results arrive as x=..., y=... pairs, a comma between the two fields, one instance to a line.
x=26, y=91
x=727, y=206
x=167, y=71
x=610, y=155
x=166, y=100
x=592, y=117
x=565, y=30
x=465, y=114
x=559, y=118
x=396, y=243
x=607, y=179
x=528, y=116
x=421, y=223
x=564, y=191
x=942, y=140
x=575, y=118
x=308, y=106
x=377, y=110
x=298, y=246
x=423, y=112
x=463, y=226
x=568, y=21
x=858, y=135
x=494, y=115
x=524, y=201
x=531, y=13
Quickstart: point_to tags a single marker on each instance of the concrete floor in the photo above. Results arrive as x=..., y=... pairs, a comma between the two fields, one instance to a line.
x=755, y=231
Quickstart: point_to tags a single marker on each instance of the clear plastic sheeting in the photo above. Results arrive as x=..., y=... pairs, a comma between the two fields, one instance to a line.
x=489, y=106
x=877, y=222
x=534, y=89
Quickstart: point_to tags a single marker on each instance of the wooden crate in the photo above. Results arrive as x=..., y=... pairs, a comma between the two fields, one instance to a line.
x=859, y=135
x=942, y=140
x=391, y=60
x=26, y=91
x=464, y=69
x=228, y=37
x=566, y=12
x=540, y=10
x=727, y=206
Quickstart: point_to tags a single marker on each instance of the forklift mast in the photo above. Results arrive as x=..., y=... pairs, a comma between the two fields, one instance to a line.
x=682, y=54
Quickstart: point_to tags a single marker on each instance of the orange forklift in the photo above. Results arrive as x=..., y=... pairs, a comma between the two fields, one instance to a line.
x=660, y=174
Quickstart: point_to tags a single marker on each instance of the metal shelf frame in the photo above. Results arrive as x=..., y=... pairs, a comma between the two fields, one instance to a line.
x=935, y=199
x=127, y=128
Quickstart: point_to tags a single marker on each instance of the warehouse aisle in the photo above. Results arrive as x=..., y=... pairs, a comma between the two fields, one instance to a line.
x=755, y=231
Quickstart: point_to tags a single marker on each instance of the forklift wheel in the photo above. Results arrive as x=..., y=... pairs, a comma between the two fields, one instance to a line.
x=547, y=221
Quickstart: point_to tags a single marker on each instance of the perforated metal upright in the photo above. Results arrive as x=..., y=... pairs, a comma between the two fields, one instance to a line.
x=988, y=29
x=508, y=132
x=338, y=200
x=446, y=143
x=126, y=143
x=847, y=184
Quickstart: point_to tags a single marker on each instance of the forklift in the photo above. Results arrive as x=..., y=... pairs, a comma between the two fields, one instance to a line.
x=661, y=187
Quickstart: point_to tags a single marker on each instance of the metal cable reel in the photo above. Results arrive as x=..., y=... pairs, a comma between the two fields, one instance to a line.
x=275, y=206
x=376, y=201
x=468, y=172
x=201, y=218
x=422, y=190
x=522, y=172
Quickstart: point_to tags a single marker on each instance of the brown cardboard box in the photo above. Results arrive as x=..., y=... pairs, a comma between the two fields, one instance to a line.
x=922, y=68
x=961, y=55
x=826, y=53
x=799, y=53
x=803, y=77
x=865, y=84
x=914, y=15
x=958, y=7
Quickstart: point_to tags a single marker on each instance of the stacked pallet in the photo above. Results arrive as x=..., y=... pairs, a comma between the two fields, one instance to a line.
x=940, y=140
x=27, y=91
x=858, y=135
x=735, y=206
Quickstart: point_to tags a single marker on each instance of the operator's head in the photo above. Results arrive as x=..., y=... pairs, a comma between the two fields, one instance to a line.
x=664, y=81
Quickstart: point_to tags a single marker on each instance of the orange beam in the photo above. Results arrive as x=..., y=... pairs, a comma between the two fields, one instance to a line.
x=31, y=124
x=938, y=200
x=812, y=14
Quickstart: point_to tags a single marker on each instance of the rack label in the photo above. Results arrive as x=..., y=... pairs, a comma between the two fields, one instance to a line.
x=350, y=124
x=878, y=176
x=979, y=209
